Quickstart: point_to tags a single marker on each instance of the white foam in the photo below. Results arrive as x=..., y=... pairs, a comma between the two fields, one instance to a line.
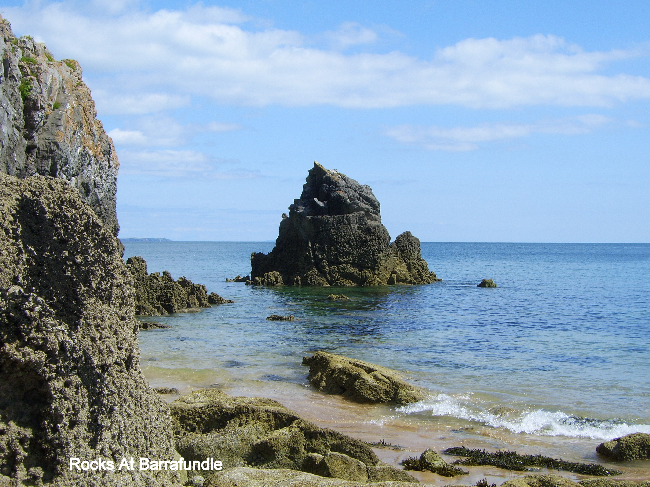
x=536, y=422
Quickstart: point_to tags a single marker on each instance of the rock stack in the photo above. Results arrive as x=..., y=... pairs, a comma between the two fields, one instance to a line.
x=333, y=236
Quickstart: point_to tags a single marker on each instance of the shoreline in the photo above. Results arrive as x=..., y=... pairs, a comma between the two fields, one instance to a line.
x=376, y=423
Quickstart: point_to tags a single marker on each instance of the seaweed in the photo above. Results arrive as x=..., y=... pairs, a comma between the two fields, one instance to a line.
x=511, y=460
x=384, y=444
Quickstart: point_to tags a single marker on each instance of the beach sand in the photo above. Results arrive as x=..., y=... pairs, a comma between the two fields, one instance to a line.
x=377, y=423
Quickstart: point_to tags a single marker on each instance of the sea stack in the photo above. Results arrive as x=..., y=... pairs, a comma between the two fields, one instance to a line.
x=333, y=236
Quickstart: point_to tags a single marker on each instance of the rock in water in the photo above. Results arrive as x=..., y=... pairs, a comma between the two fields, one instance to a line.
x=70, y=380
x=635, y=446
x=333, y=236
x=49, y=124
x=359, y=381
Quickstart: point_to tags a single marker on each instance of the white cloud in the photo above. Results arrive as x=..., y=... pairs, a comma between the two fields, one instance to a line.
x=113, y=100
x=457, y=139
x=213, y=52
x=127, y=137
x=351, y=34
x=222, y=127
x=178, y=164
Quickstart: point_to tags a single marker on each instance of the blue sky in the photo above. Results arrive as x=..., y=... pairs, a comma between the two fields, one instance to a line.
x=471, y=120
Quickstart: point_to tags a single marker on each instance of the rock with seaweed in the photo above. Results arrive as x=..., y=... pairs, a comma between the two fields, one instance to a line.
x=281, y=318
x=431, y=461
x=635, y=446
x=540, y=481
x=70, y=380
x=158, y=295
x=511, y=460
x=50, y=126
x=606, y=482
x=243, y=431
x=333, y=236
x=487, y=283
x=359, y=381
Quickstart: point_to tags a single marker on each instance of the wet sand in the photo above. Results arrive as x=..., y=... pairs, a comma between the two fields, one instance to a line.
x=375, y=423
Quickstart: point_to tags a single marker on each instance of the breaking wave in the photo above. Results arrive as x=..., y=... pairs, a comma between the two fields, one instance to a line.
x=537, y=421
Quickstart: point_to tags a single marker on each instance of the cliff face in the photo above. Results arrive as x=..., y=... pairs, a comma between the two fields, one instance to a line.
x=70, y=380
x=49, y=125
x=333, y=236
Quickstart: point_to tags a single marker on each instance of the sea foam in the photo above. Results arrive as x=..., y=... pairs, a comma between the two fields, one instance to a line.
x=531, y=421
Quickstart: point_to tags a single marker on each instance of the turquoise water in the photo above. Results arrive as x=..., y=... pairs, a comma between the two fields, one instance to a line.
x=560, y=348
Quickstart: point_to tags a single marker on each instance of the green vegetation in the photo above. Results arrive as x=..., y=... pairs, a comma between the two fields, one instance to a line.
x=49, y=57
x=25, y=88
x=56, y=105
x=28, y=60
x=511, y=460
x=443, y=469
x=71, y=63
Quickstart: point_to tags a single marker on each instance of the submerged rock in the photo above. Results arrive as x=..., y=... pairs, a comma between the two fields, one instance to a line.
x=635, y=446
x=359, y=381
x=244, y=431
x=281, y=318
x=333, y=236
x=158, y=295
x=338, y=297
x=49, y=124
x=70, y=379
x=487, y=283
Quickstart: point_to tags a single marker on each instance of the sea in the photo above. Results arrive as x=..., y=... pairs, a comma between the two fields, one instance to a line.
x=554, y=360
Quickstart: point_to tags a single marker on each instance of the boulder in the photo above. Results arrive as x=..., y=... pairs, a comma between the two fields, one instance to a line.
x=243, y=431
x=70, y=379
x=333, y=236
x=432, y=462
x=50, y=127
x=635, y=446
x=214, y=298
x=359, y=381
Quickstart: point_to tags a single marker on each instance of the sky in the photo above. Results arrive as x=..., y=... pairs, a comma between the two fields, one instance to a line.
x=472, y=121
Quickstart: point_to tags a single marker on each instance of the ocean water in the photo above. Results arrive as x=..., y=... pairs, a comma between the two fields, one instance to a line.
x=560, y=349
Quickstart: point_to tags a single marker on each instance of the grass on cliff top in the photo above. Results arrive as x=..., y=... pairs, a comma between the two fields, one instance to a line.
x=511, y=460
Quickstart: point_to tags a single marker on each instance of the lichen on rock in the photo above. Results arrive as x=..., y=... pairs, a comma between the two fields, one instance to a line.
x=359, y=381
x=635, y=446
x=333, y=236
x=50, y=126
x=70, y=380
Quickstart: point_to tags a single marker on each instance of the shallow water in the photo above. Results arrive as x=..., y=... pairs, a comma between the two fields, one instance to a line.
x=554, y=359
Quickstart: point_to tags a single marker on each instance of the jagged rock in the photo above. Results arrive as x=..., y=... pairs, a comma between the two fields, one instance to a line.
x=49, y=124
x=333, y=236
x=431, y=461
x=359, y=381
x=635, y=446
x=214, y=298
x=281, y=318
x=253, y=477
x=158, y=295
x=487, y=283
x=243, y=431
x=70, y=379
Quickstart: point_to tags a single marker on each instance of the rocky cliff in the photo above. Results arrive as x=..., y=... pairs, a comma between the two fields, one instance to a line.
x=49, y=124
x=333, y=236
x=70, y=380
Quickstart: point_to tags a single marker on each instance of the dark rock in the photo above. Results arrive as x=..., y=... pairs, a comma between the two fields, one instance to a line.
x=244, y=431
x=359, y=381
x=337, y=297
x=49, y=124
x=158, y=295
x=631, y=447
x=487, y=283
x=333, y=236
x=152, y=325
x=432, y=462
x=281, y=318
x=239, y=279
x=214, y=298
x=166, y=390
x=70, y=379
